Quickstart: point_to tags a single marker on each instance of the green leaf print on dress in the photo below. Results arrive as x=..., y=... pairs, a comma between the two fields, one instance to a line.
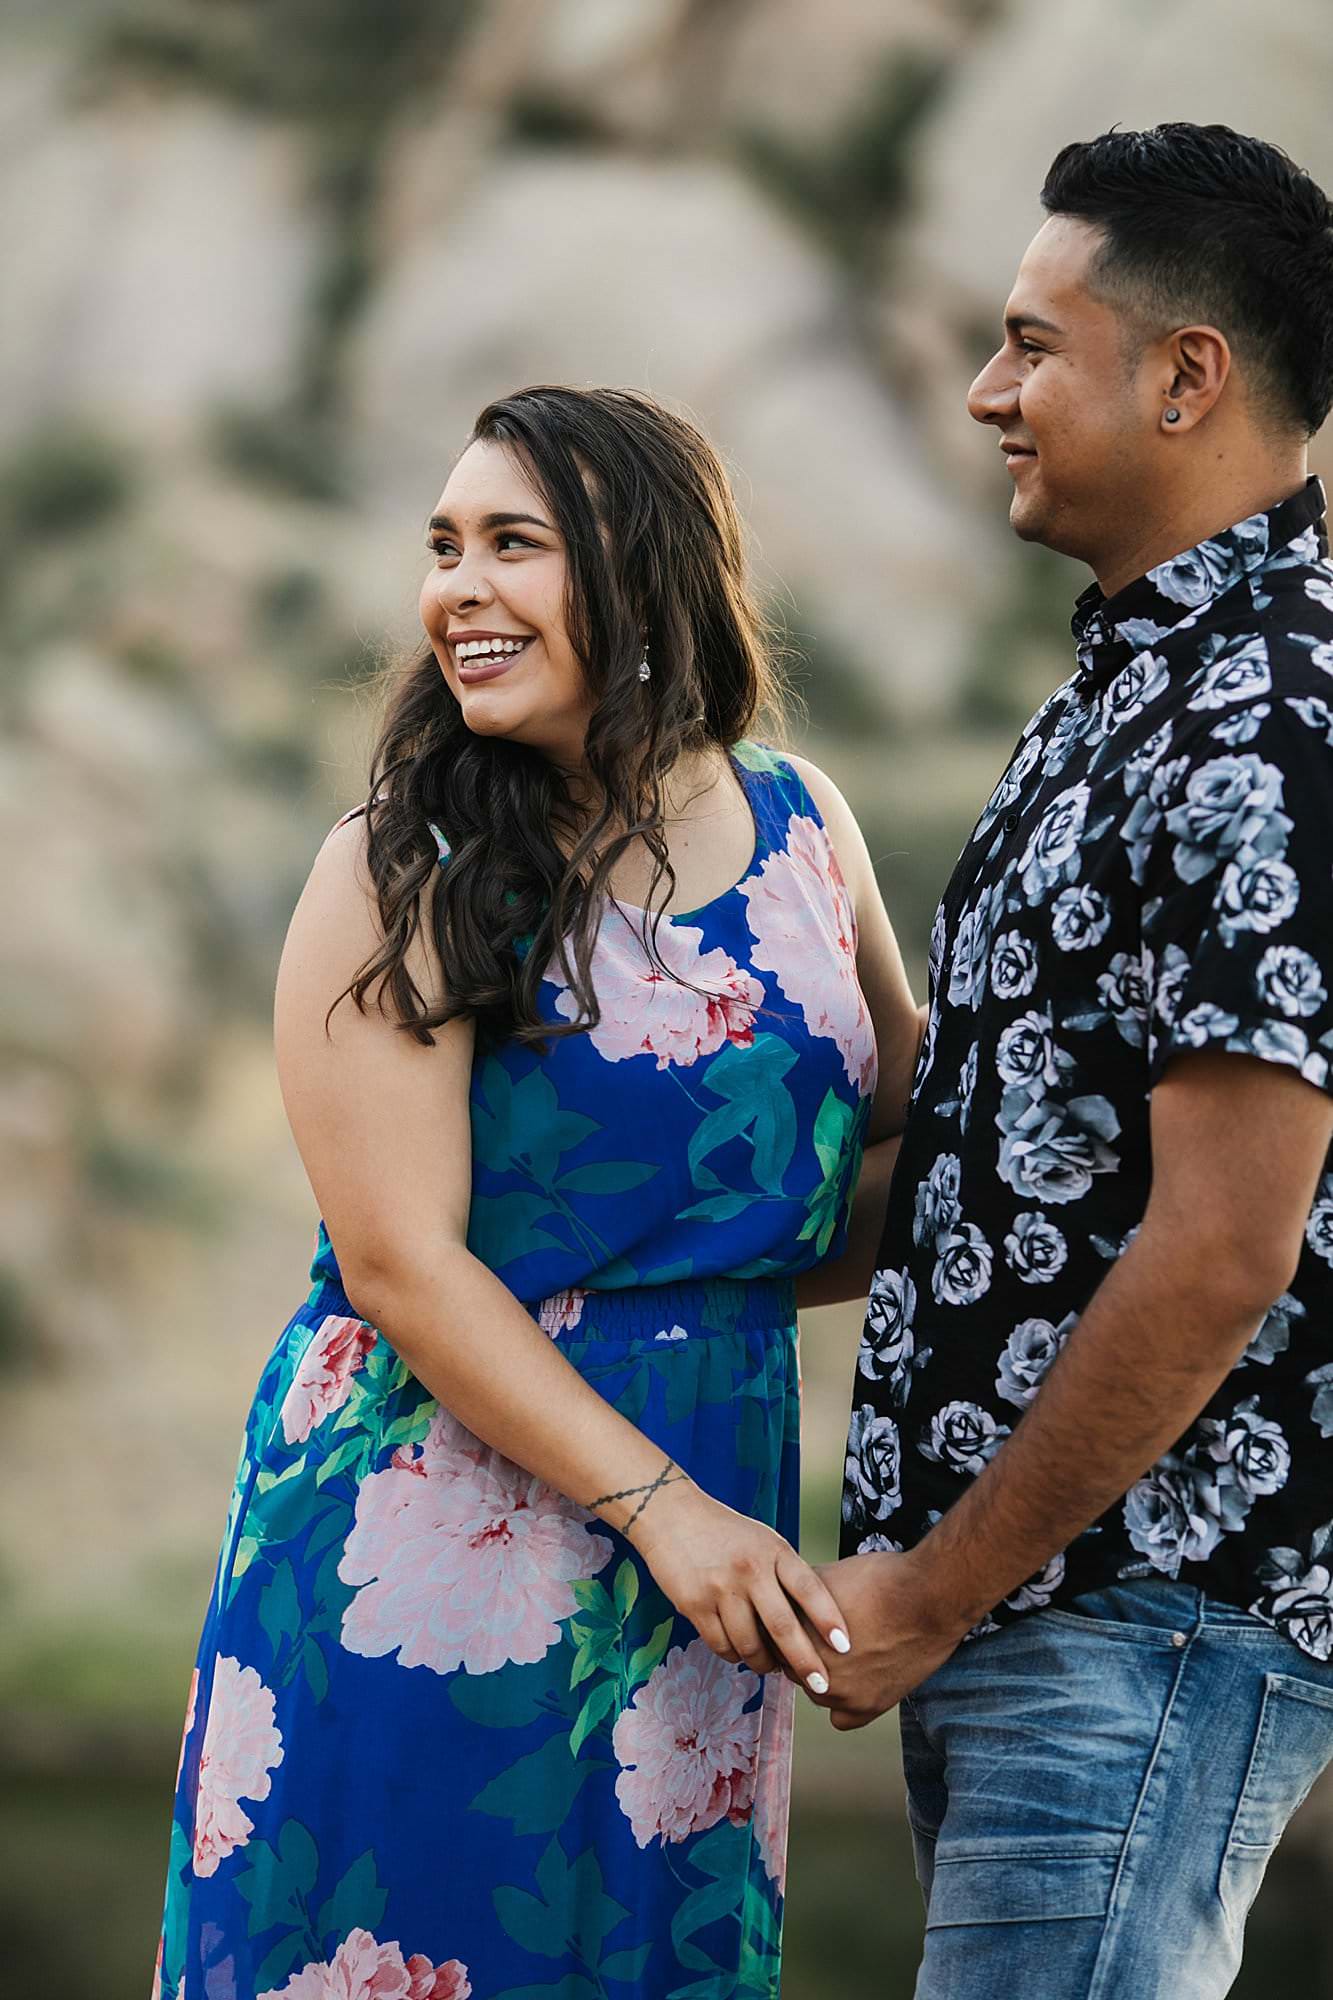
x=521, y=1774
x=757, y=1107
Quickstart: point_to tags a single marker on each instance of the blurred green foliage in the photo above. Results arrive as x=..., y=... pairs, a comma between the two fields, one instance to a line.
x=540, y=118
x=851, y=188
x=827, y=693
x=1024, y=649
x=323, y=60
x=62, y=480
x=286, y=450
x=289, y=600
x=141, y=1175
x=20, y=1343
x=345, y=73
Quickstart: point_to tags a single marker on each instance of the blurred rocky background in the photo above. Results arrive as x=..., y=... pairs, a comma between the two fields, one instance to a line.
x=263, y=261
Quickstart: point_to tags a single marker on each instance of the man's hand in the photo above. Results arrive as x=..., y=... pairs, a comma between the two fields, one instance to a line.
x=898, y=1631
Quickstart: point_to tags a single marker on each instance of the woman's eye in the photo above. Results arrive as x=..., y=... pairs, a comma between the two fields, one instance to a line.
x=446, y=551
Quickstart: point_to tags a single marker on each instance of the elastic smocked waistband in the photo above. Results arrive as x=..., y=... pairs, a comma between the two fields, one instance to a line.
x=693, y=1305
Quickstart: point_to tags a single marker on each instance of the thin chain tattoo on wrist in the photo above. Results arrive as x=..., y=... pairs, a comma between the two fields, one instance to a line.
x=668, y=1476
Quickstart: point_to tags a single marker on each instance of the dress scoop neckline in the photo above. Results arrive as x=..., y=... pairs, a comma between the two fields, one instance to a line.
x=623, y=903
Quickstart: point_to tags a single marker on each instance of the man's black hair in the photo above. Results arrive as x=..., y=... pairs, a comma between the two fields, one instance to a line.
x=1205, y=226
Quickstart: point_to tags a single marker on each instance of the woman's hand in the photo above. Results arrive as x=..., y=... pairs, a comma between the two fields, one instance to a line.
x=740, y=1584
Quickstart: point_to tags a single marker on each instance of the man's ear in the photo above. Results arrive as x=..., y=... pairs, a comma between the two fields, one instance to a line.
x=1197, y=365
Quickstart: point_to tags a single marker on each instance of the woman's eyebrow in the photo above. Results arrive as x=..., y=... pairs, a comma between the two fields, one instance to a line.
x=443, y=524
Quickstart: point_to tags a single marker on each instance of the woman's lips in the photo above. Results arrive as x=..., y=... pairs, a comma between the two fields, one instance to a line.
x=471, y=672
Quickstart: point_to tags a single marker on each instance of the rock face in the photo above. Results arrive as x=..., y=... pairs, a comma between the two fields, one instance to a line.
x=803, y=71
x=743, y=209
x=1043, y=76
x=639, y=278
x=157, y=257
x=1034, y=80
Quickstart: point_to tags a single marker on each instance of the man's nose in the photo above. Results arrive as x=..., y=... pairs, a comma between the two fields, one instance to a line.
x=993, y=397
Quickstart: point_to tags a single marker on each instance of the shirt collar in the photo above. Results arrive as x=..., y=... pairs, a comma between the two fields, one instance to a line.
x=1110, y=630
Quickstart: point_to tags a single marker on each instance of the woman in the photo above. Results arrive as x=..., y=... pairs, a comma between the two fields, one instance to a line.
x=576, y=1029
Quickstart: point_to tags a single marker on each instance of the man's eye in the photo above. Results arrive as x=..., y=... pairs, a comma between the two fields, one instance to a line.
x=1029, y=347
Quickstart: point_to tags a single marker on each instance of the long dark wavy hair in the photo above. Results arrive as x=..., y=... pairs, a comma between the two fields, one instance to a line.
x=653, y=545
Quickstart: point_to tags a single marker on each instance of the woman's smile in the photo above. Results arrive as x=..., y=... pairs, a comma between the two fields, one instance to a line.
x=485, y=656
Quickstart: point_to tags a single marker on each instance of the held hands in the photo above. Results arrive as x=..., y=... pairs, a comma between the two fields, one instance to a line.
x=900, y=1636
x=746, y=1590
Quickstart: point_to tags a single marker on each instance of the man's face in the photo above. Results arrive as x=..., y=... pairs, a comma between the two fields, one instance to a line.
x=1077, y=424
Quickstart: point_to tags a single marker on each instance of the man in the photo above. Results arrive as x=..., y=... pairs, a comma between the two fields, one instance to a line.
x=1092, y=1430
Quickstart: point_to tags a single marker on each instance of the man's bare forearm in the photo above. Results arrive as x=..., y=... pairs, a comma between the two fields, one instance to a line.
x=1160, y=1334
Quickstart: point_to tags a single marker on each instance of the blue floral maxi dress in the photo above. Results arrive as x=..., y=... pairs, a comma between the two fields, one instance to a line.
x=445, y=1736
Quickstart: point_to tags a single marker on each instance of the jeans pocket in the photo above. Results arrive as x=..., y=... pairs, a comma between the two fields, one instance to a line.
x=1022, y=1884
x=1292, y=1744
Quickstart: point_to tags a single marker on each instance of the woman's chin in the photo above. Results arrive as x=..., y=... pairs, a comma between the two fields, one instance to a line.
x=495, y=713
x=489, y=712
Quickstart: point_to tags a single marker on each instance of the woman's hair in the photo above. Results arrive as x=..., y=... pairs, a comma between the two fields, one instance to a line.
x=653, y=545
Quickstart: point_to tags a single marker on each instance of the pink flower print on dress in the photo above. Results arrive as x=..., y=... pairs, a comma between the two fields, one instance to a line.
x=772, y=1790
x=448, y=1981
x=645, y=1008
x=241, y=1746
x=687, y=1745
x=560, y=1312
x=801, y=916
x=463, y=1559
x=361, y=1969
x=335, y=1352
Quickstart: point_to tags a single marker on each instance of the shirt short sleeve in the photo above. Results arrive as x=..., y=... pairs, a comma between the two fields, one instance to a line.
x=1238, y=891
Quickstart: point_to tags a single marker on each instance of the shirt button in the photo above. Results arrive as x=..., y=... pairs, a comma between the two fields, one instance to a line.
x=1010, y=822
x=1177, y=1638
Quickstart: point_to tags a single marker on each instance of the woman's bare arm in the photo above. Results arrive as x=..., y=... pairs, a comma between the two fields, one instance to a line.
x=382, y=1124
x=899, y=1025
x=896, y=1018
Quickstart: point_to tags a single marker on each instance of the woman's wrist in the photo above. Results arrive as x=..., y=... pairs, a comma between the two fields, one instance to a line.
x=633, y=1510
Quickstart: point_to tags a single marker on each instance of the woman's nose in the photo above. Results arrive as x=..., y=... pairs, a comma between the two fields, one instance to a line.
x=993, y=397
x=463, y=585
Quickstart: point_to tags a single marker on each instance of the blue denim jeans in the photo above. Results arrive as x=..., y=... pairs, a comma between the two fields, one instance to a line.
x=1095, y=1791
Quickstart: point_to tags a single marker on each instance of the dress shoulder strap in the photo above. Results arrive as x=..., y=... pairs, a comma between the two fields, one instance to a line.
x=774, y=786
x=443, y=849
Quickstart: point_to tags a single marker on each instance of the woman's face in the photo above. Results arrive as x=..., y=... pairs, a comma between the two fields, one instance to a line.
x=493, y=606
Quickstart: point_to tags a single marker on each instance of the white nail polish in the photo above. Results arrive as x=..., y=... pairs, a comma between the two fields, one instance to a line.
x=816, y=1683
x=839, y=1641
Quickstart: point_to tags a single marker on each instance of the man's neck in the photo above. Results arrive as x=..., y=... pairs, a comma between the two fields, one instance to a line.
x=1201, y=514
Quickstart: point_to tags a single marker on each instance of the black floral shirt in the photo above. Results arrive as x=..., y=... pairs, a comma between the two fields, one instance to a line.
x=1153, y=873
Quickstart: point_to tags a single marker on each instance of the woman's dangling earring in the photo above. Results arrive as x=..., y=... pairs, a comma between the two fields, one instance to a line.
x=645, y=671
